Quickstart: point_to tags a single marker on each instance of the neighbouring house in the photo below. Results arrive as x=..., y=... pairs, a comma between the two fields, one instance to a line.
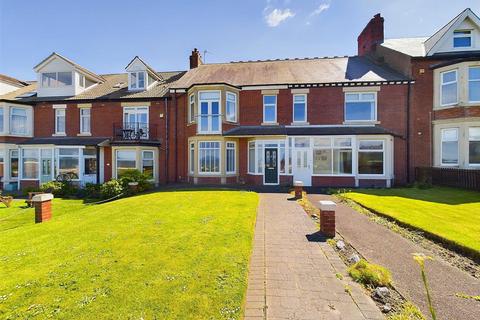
x=366, y=120
x=9, y=84
x=444, y=116
x=87, y=126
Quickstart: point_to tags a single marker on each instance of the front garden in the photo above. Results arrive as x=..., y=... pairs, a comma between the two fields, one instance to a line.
x=175, y=255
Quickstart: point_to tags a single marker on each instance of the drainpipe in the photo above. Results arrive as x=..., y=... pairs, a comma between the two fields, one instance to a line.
x=175, y=135
x=98, y=163
x=166, y=139
x=408, y=132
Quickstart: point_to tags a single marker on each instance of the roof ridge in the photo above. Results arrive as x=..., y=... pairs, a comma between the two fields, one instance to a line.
x=279, y=60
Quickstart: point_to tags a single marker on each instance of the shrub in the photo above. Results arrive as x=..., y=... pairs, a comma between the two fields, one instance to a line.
x=408, y=311
x=135, y=176
x=92, y=190
x=26, y=190
x=370, y=274
x=111, y=189
x=54, y=187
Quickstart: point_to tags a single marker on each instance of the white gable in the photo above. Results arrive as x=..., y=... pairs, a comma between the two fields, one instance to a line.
x=442, y=41
x=136, y=65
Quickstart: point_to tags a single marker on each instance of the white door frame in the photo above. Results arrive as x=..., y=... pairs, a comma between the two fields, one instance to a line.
x=307, y=181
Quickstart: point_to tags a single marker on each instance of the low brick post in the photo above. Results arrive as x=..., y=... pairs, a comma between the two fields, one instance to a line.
x=298, y=187
x=327, y=218
x=43, y=207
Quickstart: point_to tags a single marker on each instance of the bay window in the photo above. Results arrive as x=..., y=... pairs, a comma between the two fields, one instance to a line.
x=474, y=146
x=209, y=112
x=269, y=109
x=448, y=88
x=251, y=157
x=56, y=79
x=85, y=120
x=148, y=163
x=231, y=107
x=13, y=164
x=60, y=120
x=230, y=157
x=1, y=119
x=191, y=109
x=209, y=157
x=90, y=161
x=192, y=158
x=449, y=147
x=299, y=108
x=332, y=156
x=361, y=106
x=125, y=160
x=69, y=161
x=18, y=121
x=474, y=84
x=371, y=157
x=30, y=163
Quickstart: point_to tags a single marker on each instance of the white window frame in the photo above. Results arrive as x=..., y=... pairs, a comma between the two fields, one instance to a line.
x=332, y=147
x=254, y=157
x=383, y=150
x=153, y=159
x=116, y=159
x=270, y=105
x=21, y=163
x=131, y=85
x=82, y=119
x=219, y=160
x=79, y=158
x=27, y=122
x=231, y=145
x=210, y=114
x=57, y=109
x=305, y=107
x=462, y=35
x=10, y=152
x=447, y=83
x=468, y=146
x=56, y=80
x=457, y=130
x=469, y=81
x=191, y=158
x=2, y=120
x=228, y=99
x=191, y=108
x=373, y=113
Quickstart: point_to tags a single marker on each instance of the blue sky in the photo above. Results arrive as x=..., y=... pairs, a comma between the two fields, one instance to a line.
x=104, y=35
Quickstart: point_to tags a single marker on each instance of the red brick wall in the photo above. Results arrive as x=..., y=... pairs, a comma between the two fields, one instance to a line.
x=457, y=112
x=29, y=184
x=333, y=181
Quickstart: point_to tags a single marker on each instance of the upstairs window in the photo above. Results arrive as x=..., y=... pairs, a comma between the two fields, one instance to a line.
x=474, y=84
x=56, y=79
x=449, y=147
x=300, y=108
x=85, y=120
x=462, y=39
x=361, y=106
x=269, y=109
x=60, y=121
x=448, y=90
x=18, y=121
x=1, y=119
x=209, y=113
x=231, y=107
x=137, y=80
x=191, y=109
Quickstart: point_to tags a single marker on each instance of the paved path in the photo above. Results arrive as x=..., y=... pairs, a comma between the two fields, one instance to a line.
x=292, y=271
x=380, y=245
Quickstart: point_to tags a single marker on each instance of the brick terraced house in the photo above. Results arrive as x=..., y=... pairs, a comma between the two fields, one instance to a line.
x=364, y=120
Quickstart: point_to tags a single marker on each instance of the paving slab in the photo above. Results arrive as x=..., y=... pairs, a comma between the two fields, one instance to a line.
x=380, y=245
x=292, y=270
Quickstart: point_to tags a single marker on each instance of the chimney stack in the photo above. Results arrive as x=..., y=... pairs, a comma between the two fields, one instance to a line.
x=371, y=35
x=195, y=59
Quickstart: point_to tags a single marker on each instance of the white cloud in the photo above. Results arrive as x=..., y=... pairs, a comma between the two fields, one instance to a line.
x=322, y=7
x=278, y=16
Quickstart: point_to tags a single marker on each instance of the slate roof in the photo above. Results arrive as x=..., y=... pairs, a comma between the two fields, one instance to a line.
x=115, y=87
x=413, y=47
x=290, y=71
x=243, y=131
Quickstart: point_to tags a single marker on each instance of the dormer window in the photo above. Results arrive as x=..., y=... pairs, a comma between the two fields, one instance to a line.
x=462, y=39
x=137, y=80
x=56, y=79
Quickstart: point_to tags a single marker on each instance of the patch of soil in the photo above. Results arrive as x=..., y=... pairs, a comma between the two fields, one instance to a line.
x=395, y=300
x=454, y=258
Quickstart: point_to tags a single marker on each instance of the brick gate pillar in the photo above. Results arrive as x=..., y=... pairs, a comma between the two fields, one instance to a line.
x=43, y=207
x=327, y=218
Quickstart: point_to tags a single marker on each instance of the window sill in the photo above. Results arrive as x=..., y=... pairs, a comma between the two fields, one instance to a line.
x=269, y=124
x=59, y=135
x=300, y=123
x=84, y=134
x=366, y=122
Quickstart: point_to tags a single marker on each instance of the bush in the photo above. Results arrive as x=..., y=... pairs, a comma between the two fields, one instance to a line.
x=135, y=176
x=92, y=190
x=26, y=190
x=54, y=187
x=370, y=274
x=111, y=189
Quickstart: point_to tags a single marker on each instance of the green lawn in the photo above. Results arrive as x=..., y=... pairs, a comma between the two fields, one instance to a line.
x=452, y=214
x=166, y=255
